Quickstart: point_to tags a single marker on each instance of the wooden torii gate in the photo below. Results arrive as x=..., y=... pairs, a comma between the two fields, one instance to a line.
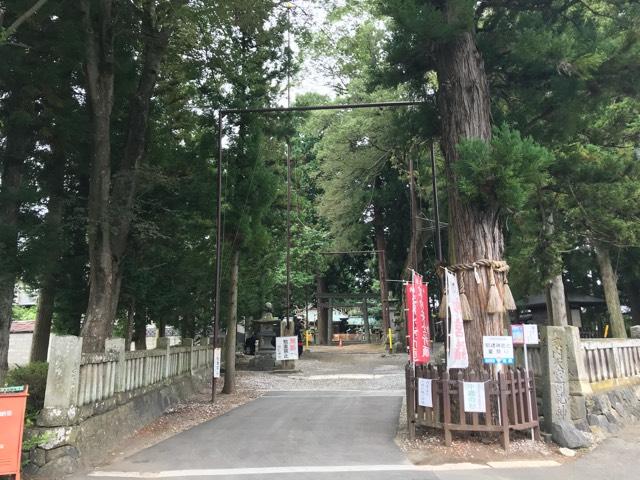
x=328, y=301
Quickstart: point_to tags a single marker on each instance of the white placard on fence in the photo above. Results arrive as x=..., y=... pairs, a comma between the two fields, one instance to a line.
x=425, y=397
x=217, y=356
x=474, y=399
x=497, y=349
x=286, y=348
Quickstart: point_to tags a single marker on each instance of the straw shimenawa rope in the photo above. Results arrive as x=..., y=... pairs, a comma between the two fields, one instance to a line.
x=495, y=304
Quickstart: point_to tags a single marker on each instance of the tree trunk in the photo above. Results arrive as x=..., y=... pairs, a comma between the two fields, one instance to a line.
x=323, y=313
x=381, y=247
x=140, y=331
x=98, y=39
x=230, y=342
x=51, y=264
x=18, y=145
x=633, y=292
x=464, y=105
x=557, y=307
x=131, y=320
x=110, y=212
x=556, y=302
x=610, y=285
x=417, y=236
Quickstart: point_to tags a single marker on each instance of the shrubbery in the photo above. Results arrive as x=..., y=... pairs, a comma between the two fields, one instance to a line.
x=35, y=375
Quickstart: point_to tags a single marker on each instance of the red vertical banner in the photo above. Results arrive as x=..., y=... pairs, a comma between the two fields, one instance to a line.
x=417, y=302
x=425, y=343
x=408, y=290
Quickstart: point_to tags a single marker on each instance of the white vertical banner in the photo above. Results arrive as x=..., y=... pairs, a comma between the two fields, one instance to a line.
x=217, y=356
x=425, y=397
x=457, y=353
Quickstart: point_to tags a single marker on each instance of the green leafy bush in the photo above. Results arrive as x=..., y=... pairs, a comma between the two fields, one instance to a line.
x=23, y=313
x=35, y=375
x=504, y=173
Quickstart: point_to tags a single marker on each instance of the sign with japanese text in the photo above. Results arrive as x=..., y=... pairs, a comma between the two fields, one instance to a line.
x=531, y=334
x=497, y=349
x=12, y=408
x=474, y=397
x=217, y=359
x=286, y=348
x=417, y=302
x=425, y=396
x=458, y=356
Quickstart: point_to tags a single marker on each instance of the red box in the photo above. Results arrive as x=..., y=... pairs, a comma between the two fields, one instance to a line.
x=13, y=403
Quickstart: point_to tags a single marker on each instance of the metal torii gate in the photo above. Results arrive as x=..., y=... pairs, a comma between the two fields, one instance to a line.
x=223, y=112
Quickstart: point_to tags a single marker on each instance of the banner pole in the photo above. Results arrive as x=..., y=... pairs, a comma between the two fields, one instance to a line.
x=526, y=368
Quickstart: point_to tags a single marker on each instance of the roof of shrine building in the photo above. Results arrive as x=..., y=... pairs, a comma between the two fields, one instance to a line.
x=575, y=300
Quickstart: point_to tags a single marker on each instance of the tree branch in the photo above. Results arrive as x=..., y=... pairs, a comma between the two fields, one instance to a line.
x=11, y=29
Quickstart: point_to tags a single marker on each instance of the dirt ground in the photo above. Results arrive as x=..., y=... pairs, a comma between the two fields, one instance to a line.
x=429, y=449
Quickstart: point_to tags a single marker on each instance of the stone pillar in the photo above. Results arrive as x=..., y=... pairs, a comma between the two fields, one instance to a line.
x=556, y=389
x=117, y=345
x=188, y=342
x=63, y=378
x=579, y=386
x=164, y=343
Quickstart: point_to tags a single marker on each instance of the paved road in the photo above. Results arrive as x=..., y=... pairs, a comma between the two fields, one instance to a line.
x=282, y=429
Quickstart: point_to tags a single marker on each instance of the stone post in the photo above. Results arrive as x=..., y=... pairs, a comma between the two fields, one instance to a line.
x=164, y=343
x=63, y=378
x=188, y=342
x=556, y=389
x=116, y=345
x=579, y=386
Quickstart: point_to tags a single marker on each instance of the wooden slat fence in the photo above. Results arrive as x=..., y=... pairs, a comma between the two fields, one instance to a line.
x=510, y=402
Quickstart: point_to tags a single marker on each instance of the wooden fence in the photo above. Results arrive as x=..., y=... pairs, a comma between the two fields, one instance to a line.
x=510, y=402
x=611, y=359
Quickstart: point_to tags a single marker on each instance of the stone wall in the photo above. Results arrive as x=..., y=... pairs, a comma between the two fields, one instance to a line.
x=588, y=388
x=94, y=401
x=608, y=411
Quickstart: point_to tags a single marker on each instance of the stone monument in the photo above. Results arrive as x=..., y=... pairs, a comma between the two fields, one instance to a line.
x=266, y=329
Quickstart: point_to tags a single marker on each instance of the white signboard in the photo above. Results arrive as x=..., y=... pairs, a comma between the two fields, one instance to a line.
x=286, y=348
x=497, y=349
x=217, y=355
x=531, y=334
x=425, y=397
x=457, y=353
x=474, y=399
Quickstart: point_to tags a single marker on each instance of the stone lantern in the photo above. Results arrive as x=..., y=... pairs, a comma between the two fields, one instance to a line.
x=266, y=330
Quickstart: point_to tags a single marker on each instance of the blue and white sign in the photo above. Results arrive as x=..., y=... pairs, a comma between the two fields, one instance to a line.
x=497, y=349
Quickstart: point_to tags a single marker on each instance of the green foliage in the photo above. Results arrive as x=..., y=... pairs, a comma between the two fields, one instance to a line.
x=503, y=174
x=23, y=313
x=34, y=375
